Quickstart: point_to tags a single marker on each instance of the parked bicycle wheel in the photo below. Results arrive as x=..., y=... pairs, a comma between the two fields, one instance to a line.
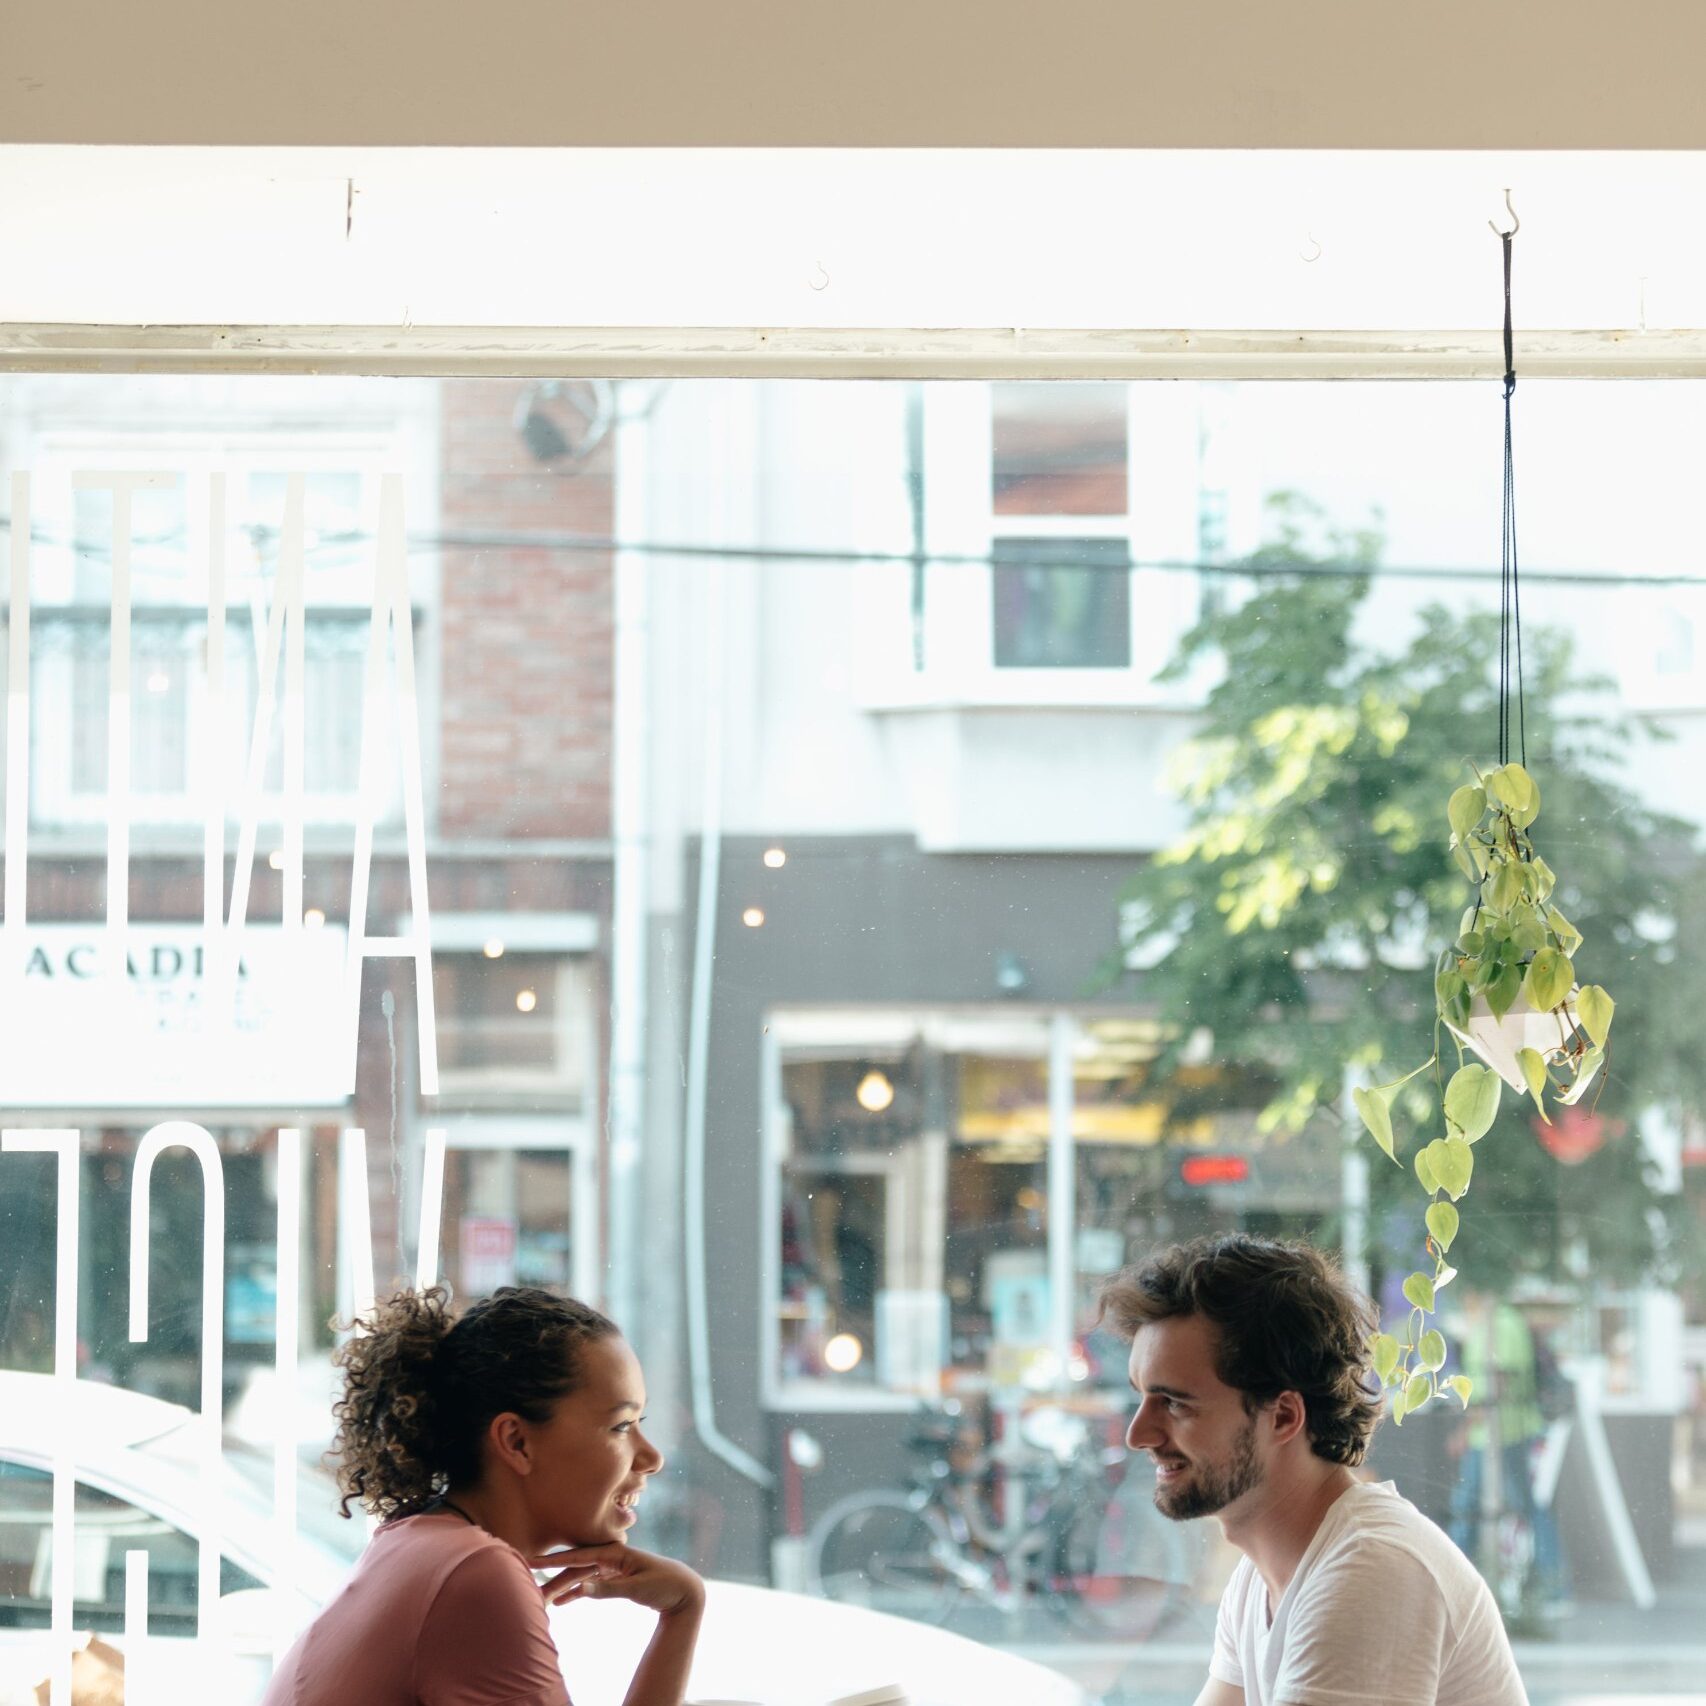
x=878, y=1550
x=1122, y=1568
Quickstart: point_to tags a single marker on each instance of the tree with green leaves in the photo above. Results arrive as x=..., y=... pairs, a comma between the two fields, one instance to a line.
x=1299, y=917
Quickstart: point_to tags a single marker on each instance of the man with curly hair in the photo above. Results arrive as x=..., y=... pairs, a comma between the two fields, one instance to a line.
x=1256, y=1400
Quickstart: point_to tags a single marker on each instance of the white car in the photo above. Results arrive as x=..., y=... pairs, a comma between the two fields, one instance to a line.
x=139, y=1487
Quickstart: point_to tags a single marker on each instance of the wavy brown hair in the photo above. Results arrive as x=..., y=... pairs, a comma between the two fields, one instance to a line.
x=421, y=1385
x=1286, y=1318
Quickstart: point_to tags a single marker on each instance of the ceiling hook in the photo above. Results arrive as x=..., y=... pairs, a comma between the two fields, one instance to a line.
x=1516, y=224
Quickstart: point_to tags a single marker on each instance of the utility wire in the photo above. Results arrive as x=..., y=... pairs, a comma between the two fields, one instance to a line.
x=1053, y=554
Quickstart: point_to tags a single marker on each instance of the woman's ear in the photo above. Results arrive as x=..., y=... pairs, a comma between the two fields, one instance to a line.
x=508, y=1443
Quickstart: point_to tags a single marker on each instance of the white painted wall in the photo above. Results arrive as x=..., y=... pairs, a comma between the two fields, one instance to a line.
x=828, y=730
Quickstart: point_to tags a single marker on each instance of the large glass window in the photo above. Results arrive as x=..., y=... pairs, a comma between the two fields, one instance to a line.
x=851, y=864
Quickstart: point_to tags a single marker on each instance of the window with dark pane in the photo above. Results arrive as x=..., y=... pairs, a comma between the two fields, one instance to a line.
x=1062, y=604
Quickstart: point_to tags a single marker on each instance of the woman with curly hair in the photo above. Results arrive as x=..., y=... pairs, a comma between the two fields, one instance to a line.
x=493, y=1444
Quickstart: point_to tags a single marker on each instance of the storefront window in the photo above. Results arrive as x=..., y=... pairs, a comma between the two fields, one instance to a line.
x=513, y=1027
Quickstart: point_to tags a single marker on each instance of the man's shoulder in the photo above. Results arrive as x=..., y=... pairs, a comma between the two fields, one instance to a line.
x=1372, y=1526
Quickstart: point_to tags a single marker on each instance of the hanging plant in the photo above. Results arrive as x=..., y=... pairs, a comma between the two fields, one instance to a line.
x=1506, y=993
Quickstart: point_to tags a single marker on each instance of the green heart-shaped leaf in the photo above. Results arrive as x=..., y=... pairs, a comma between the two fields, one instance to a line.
x=1516, y=790
x=1509, y=785
x=1505, y=890
x=1502, y=989
x=1423, y=1163
x=1594, y=1008
x=1569, y=937
x=1377, y=1116
x=1549, y=978
x=1462, y=1386
x=1453, y=1163
x=1466, y=807
x=1534, y=1072
x=1418, y=1389
x=1472, y=1100
x=1442, y=1222
x=1419, y=1289
x=1431, y=1350
x=1385, y=1356
x=1529, y=936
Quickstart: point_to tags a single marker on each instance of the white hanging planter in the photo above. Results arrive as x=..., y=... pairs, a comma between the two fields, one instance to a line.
x=1499, y=1041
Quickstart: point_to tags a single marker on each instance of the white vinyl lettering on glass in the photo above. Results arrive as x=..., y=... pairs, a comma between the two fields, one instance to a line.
x=242, y=983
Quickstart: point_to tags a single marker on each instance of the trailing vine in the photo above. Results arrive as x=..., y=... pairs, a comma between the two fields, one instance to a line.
x=1505, y=990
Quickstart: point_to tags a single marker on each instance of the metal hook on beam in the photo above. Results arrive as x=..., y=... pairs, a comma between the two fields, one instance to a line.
x=1516, y=224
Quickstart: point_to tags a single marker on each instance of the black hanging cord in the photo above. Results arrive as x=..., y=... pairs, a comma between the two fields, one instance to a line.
x=1510, y=595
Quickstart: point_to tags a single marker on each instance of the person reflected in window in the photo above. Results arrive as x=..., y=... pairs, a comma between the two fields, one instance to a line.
x=1256, y=1402
x=495, y=1446
x=1509, y=1409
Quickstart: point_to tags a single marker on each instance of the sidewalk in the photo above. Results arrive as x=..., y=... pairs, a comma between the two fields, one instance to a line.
x=1603, y=1651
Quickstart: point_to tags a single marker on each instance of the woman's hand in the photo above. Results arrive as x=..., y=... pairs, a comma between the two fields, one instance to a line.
x=616, y=1571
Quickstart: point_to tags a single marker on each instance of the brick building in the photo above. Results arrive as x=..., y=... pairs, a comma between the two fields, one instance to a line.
x=512, y=639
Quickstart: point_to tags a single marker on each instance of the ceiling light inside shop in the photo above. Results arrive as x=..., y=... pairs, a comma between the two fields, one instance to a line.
x=843, y=1353
x=525, y=1001
x=493, y=950
x=314, y=918
x=159, y=682
x=775, y=858
x=752, y=917
x=276, y=859
x=875, y=1092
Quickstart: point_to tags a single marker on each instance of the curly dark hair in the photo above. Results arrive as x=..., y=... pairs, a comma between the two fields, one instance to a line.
x=1287, y=1321
x=421, y=1385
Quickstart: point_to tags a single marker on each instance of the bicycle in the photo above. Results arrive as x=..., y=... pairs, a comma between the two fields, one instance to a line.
x=1075, y=1539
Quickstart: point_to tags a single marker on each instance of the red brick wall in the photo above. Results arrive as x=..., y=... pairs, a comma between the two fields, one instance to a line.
x=525, y=635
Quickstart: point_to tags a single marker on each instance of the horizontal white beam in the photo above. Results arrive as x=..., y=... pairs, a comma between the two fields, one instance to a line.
x=761, y=352
x=840, y=240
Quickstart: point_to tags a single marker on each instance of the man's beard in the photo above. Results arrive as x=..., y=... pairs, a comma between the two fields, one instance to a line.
x=1212, y=1487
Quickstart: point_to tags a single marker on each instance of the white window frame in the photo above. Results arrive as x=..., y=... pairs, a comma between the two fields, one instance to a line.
x=962, y=528
x=576, y=1009
x=574, y=1135
x=55, y=453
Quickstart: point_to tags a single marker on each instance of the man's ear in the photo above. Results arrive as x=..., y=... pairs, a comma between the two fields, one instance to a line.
x=1289, y=1417
x=509, y=1443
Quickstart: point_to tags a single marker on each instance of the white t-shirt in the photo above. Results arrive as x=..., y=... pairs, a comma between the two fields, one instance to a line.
x=1383, y=1607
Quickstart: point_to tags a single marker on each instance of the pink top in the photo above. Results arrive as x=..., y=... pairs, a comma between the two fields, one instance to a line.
x=438, y=1613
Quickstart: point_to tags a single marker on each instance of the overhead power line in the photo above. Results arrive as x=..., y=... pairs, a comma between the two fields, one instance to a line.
x=1044, y=553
